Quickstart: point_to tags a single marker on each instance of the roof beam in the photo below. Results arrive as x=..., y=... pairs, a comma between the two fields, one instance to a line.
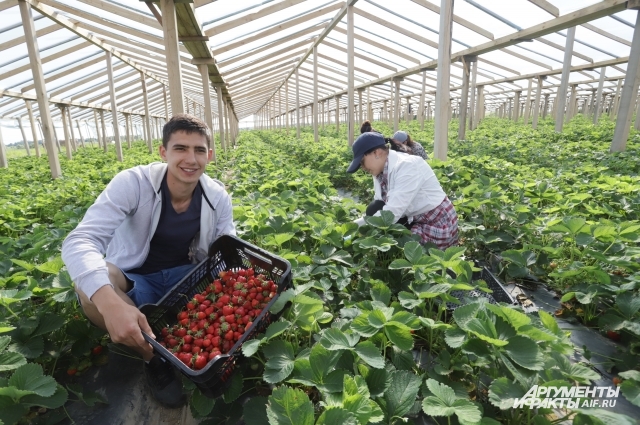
x=220, y=28
x=396, y=28
x=125, y=12
x=561, y=48
x=63, y=73
x=334, y=60
x=547, y=7
x=456, y=19
x=596, y=11
x=19, y=40
x=53, y=100
x=379, y=45
x=360, y=55
x=46, y=59
x=272, y=30
x=606, y=34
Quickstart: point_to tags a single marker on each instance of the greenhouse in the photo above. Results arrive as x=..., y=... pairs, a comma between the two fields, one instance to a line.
x=309, y=212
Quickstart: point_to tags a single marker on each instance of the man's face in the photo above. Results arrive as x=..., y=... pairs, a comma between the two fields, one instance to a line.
x=186, y=155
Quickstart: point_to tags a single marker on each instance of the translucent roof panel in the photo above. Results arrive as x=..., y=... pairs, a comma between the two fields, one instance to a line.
x=257, y=45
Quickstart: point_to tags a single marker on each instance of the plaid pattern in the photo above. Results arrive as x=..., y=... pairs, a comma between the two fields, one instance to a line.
x=418, y=150
x=438, y=226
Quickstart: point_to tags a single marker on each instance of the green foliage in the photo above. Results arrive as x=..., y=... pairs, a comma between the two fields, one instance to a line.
x=364, y=336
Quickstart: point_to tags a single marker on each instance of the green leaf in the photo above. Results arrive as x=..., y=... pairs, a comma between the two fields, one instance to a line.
x=549, y=322
x=333, y=382
x=361, y=326
x=606, y=416
x=453, y=252
x=525, y=352
x=441, y=391
x=399, y=334
x=536, y=334
x=380, y=292
x=467, y=412
x=334, y=339
x=512, y=316
x=406, y=318
x=235, y=388
x=628, y=303
x=255, y=411
x=503, y=392
x=10, y=361
x=370, y=354
x=282, y=300
x=401, y=393
x=322, y=361
x=280, y=361
x=378, y=381
x=413, y=251
x=48, y=323
x=485, y=330
x=463, y=314
x=201, y=403
x=276, y=328
x=631, y=391
x=52, y=267
x=433, y=406
x=377, y=318
x=634, y=375
x=250, y=347
x=29, y=377
x=455, y=337
x=31, y=348
x=399, y=264
x=58, y=399
x=25, y=265
x=4, y=342
x=288, y=406
x=335, y=416
x=574, y=225
x=408, y=300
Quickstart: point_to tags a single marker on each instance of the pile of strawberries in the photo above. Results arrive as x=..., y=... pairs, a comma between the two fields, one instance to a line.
x=211, y=323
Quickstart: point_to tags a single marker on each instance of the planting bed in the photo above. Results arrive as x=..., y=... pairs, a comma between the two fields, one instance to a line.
x=366, y=303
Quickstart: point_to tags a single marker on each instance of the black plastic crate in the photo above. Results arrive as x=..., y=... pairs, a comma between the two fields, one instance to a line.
x=225, y=253
x=499, y=294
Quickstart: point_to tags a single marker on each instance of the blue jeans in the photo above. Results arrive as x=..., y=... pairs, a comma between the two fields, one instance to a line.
x=150, y=288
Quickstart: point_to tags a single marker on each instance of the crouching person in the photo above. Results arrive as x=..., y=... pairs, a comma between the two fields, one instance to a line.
x=143, y=234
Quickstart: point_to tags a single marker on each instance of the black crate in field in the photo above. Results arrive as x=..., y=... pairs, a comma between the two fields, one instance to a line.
x=225, y=253
x=499, y=294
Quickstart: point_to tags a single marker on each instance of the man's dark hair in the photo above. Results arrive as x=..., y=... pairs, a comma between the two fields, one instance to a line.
x=187, y=123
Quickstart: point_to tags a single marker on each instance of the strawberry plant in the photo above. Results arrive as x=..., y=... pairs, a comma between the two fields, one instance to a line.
x=365, y=335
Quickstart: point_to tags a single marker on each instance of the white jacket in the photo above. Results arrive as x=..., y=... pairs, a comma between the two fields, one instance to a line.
x=412, y=189
x=123, y=219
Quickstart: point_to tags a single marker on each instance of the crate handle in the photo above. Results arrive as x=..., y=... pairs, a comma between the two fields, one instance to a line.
x=255, y=254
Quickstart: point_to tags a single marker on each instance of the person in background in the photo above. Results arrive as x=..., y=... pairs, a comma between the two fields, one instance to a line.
x=398, y=147
x=407, y=186
x=154, y=223
x=402, y=138
x=366, y=128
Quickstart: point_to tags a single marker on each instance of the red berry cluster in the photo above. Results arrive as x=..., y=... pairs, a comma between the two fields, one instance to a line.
x=211, y=323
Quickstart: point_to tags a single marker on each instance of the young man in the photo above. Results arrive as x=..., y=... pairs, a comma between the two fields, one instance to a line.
x=153, y=222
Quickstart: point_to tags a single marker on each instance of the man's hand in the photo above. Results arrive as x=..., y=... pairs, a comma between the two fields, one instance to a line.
x=124, y=322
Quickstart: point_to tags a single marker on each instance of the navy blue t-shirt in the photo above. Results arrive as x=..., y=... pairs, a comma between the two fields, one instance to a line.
x=173, y=235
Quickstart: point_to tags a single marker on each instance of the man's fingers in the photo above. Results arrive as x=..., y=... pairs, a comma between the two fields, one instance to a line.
x=144, y=325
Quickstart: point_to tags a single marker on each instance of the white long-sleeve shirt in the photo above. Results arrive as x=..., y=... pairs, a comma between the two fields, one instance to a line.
x=412, y=189
x=122, y=222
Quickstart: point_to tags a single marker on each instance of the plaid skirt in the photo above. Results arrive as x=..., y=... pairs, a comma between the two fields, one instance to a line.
x=438, y=226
